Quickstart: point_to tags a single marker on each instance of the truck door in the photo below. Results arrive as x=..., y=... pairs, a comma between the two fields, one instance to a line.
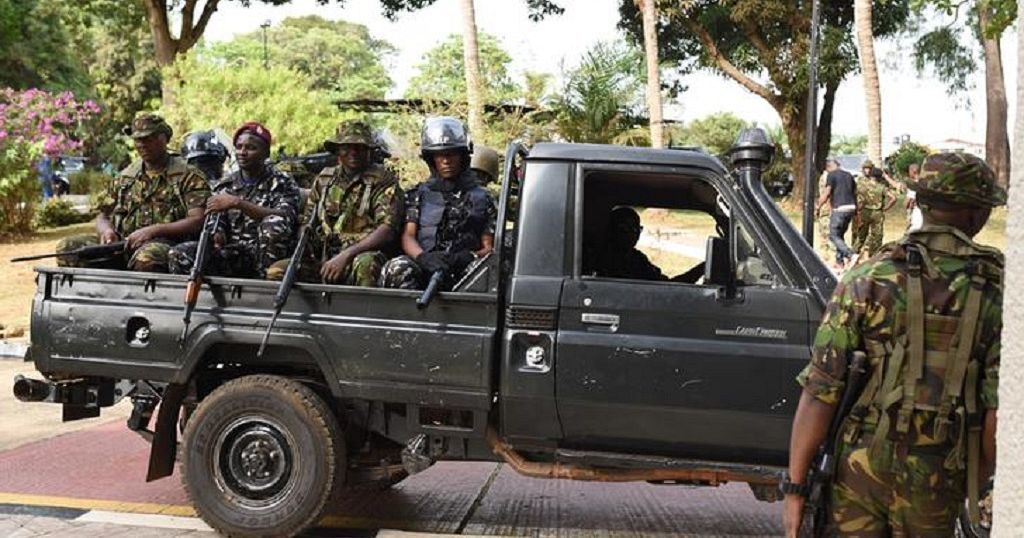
x=676, y=368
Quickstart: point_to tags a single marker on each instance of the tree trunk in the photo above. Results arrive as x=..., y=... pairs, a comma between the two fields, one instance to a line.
x=869, y=71
x=794, y=123
x=1009, y=490
x=650, y=16
x=997, y=140
x=159, y=26
x=471, y=58
x=823, y=140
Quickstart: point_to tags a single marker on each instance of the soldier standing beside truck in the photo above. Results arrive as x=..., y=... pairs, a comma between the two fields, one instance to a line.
x=928, y=313
x=449, y=219
x=259, y=207
x=154, y=203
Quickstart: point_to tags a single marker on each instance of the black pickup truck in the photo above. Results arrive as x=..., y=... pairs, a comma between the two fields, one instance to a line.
x=531, y=359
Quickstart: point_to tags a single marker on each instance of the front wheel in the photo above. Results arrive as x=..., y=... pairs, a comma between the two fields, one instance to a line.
x=261, y=456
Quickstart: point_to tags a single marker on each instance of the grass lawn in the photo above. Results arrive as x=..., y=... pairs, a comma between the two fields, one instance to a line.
x=16, y=295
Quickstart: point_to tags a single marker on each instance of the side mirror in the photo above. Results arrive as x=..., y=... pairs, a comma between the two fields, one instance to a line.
x=718, y=266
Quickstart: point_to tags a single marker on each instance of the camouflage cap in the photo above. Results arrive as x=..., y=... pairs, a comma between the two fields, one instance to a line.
x=350, y=132
x=147, y=124
x=958, y=178
x=868, y=163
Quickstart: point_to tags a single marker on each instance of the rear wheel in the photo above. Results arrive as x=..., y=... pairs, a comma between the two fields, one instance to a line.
x=261, y=456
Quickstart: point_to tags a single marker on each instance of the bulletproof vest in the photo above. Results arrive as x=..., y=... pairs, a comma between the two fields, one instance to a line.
x=923, y=390
x=450, y=220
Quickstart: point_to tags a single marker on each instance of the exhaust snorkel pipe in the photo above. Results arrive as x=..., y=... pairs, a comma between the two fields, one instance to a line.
x=750, y=156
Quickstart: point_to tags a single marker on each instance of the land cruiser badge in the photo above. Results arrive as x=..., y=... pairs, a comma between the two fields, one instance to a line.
x=752, y=332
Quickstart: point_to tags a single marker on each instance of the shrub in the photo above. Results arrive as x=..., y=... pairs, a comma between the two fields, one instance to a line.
x=58, y=212
x=89, y=182
x=33, y=122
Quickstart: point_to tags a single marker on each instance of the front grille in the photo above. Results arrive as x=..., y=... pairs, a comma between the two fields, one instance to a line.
x=527, y=317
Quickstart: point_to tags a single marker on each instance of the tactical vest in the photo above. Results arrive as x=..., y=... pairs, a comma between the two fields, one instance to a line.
x=930, y=367
x=432, y=204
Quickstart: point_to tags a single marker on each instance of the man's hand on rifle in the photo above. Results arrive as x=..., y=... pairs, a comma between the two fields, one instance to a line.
x=139, y=237
x=333, y=269
x=433, y=262
x=792, y=514
x=222, y=202
x=108, y=236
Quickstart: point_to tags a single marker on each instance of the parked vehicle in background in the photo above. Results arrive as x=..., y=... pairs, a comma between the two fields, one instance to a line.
x=67, y=167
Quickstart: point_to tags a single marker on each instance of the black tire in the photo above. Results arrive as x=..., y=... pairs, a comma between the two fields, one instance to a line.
x=261, y=456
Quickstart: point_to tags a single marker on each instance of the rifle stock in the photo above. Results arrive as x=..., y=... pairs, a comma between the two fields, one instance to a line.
x=90, y=252
x=823, y=470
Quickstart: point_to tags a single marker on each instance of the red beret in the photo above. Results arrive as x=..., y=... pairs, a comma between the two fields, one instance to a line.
x=254, y=128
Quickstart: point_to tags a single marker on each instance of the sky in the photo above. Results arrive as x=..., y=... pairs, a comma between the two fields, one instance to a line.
x=912, y=105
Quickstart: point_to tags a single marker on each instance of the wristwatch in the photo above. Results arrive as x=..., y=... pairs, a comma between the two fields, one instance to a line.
x=787, y=487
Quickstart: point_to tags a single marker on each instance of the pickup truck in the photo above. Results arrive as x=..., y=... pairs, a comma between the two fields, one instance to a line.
x=531, y=359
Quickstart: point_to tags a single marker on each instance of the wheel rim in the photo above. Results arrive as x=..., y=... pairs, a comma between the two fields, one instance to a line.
x=255, y=461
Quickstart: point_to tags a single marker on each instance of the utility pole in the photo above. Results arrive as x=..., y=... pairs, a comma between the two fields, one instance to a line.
x=266, y=57
x=811, y=186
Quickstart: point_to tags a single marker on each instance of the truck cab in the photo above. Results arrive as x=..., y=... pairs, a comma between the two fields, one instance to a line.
x=535, y=357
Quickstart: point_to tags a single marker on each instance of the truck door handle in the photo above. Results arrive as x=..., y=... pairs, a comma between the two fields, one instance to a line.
x=604, y=322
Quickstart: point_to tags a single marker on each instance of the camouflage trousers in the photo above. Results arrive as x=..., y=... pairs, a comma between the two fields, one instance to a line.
x=868, y=232
x=404, y=273
x=828, y=252
x=903, y=493
x=243, y=258
x=150, y=257
x=364, y=270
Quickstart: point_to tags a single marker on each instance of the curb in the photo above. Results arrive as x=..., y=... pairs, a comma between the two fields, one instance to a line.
x=10, y=351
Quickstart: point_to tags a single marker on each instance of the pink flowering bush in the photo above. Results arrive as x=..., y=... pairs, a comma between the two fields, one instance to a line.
x=33, y=123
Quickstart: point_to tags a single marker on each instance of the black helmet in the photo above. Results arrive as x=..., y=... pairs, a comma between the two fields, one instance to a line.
x=444, y=133
x=203, y=144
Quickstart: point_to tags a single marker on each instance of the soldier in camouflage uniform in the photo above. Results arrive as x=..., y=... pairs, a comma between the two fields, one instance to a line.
x=360, y=205
x=258, y=213
x=874, y=198
x=927, y=311
x=154, y=203
x=449, y=219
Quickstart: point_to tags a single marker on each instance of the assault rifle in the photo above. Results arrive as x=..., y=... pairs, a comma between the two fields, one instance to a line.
x=90, y=252
x=823, y=470
x=292, y=273
x=195, y=277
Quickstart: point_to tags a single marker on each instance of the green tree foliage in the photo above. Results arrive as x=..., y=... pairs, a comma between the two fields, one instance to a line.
x=602, y=98
x=763, y=45
x=715, y=132
x=442, y=73
x=299, y=118
x=538, y=8
x=341, y=58
x=36, y=47
x=907, y=154
x=849, y=145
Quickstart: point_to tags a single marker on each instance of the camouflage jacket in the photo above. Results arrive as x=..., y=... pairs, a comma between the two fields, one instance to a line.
x=135, y=199
x=871, y=194
x=276, y=191
x=355, y=205
x=868, y=312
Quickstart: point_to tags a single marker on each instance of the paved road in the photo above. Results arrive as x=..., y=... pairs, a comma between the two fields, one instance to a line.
x=86, y=479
